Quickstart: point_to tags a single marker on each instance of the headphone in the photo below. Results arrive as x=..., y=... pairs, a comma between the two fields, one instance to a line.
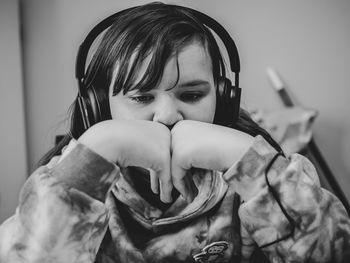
x=228, y=95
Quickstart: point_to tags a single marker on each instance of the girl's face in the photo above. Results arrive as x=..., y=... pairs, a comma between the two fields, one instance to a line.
x=192, y=98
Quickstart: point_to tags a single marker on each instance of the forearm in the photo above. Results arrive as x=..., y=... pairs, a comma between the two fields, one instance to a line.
x=61, y=216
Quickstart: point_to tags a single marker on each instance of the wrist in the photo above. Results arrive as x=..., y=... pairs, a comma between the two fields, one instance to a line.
x=99, y=138
x=238, y=146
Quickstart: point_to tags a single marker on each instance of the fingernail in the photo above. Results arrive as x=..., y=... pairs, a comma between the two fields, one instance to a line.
x=189, y=199
x=166, y=200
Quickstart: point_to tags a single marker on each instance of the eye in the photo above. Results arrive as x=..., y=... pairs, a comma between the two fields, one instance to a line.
x=191, y=96
x=142, y=99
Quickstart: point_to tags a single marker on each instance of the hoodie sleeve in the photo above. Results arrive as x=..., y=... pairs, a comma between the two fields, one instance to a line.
x=61, y=216
x=285, y=212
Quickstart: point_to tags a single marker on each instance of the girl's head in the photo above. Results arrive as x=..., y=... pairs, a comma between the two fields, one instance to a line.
x=159, y=63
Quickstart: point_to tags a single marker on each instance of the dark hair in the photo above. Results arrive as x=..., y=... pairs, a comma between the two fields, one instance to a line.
x=156, y=30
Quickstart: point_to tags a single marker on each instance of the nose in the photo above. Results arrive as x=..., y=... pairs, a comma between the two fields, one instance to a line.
x=167, y=111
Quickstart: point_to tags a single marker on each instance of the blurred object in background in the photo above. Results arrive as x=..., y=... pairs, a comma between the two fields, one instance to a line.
x=290, y=127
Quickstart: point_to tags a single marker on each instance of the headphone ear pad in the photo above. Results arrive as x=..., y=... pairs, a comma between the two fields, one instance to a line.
x=227, y=103
x=93, y=106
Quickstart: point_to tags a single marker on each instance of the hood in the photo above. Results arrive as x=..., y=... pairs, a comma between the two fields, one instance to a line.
x=211, y=190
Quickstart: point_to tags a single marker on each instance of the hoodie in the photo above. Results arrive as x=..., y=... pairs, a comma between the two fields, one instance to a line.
x=82, y=208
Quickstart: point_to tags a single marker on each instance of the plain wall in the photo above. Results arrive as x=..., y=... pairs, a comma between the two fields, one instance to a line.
x=307, y=42
x=13, y=162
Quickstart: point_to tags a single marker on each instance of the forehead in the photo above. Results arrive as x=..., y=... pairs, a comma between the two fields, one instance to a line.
x=194, y=61
x=191, y=62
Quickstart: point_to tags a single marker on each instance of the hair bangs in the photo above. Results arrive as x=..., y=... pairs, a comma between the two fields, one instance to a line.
x=161, y=44
x=149, y=37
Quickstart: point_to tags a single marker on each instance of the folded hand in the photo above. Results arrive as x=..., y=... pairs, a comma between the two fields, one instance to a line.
x=167, y=154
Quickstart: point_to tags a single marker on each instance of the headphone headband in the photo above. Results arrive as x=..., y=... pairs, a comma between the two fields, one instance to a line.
x=205, y=19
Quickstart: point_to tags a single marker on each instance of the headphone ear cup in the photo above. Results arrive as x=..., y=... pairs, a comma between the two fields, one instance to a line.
x=228, y=103
x=93, y=106
x=236, y=103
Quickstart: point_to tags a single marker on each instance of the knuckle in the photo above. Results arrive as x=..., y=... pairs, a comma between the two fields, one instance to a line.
x=178, y=127
x=163, y=133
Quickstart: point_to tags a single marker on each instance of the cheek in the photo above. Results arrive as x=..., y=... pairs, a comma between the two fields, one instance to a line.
x=119, y=108
x=203, y=111
x=122, y=110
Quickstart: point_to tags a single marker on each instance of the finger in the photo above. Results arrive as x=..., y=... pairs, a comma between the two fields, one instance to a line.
x=165, y=183
x=154, y=181
x=180, y=168
x=166, y=188
x=180, y=182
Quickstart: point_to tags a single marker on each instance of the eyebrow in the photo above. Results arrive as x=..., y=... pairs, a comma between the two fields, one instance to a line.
x=193, y=83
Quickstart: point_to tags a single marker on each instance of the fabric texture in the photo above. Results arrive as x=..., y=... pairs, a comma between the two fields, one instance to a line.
x=291, y=127
x=81, y=208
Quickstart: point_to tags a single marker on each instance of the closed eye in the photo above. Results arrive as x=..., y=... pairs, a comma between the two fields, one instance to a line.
x=142, y=99
x=191, y=96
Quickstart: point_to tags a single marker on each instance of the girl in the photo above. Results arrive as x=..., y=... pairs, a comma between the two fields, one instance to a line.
x=161, y=177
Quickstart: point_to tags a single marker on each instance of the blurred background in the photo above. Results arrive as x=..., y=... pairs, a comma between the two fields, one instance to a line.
x=307, y=42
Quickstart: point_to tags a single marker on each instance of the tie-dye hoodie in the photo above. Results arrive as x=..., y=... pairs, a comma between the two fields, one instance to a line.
x=81, y=208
